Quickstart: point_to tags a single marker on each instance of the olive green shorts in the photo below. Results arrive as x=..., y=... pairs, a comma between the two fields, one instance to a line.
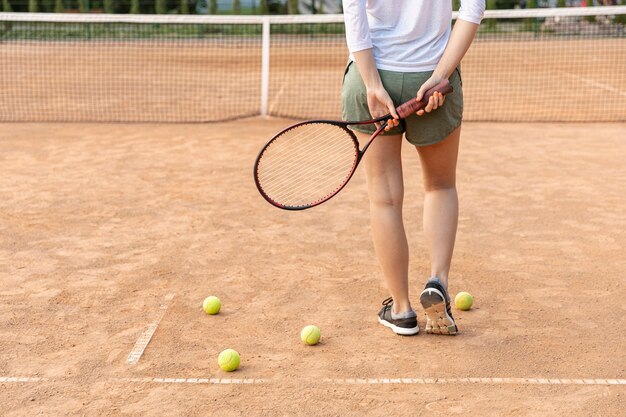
x=424, y=130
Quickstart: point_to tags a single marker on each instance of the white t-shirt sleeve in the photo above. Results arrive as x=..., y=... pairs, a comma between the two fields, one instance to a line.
x=472, y=10
x=357, y=27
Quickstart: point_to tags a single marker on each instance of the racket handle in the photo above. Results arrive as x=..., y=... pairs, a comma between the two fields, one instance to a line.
x=413, y=105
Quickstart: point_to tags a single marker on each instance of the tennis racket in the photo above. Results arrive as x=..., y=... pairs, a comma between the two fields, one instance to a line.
x=308, y=163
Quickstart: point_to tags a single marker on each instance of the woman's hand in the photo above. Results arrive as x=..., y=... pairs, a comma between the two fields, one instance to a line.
x=436, y=100
x=380, y=104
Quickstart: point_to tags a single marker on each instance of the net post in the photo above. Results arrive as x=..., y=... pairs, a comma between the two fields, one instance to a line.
x=265, y=65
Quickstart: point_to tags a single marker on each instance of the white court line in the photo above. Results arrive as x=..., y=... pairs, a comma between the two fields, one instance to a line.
x=512, y=381
x=276, y=99
x=595, y=84
x=209, y=381
x=144, y=339
x=343, y=381
x=21, y=379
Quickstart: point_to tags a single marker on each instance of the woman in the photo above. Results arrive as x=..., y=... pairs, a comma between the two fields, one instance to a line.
x=399, y=49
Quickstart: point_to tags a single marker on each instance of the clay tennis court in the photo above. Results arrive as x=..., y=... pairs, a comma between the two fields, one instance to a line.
x=112, y=235
x=106, y=229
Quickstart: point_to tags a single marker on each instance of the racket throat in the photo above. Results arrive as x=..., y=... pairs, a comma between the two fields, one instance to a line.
x=378, y=131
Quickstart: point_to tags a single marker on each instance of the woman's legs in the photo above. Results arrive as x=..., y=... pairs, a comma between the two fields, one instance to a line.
x=441, y=207
x=383, y=168
x=441, y=212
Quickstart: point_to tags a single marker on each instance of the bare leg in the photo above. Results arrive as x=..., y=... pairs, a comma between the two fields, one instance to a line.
x=383, y=167
x=441, y=206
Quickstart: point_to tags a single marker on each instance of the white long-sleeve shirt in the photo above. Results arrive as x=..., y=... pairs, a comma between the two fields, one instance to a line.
x=405, y=35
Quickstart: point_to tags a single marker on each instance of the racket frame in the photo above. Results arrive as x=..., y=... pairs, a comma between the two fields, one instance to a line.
x=403, y=111
x=359, y=155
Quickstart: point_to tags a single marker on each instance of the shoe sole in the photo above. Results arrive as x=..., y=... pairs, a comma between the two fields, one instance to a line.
x=402, y=331
x=437, y=319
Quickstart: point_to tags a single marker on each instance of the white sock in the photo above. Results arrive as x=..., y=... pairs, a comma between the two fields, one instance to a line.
x=406, y=315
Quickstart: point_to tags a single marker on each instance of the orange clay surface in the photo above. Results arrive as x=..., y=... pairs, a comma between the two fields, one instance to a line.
x=99, y=223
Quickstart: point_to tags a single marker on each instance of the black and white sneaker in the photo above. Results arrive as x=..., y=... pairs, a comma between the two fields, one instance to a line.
x=436, y=303
x=404, y=324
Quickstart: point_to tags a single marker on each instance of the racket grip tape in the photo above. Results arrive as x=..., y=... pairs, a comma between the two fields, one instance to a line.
x=413, y=105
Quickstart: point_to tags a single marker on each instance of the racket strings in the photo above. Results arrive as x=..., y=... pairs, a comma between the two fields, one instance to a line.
x=307, y=164
x=282, y=160
x=283, y=186
x=283, y=182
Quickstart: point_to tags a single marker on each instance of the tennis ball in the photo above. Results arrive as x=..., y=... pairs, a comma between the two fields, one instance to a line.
x=464, y=300
x=211, y=305
x=228, y=360
x=310, y=335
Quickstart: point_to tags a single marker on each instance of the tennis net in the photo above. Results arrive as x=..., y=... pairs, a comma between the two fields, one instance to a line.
x=526, y=65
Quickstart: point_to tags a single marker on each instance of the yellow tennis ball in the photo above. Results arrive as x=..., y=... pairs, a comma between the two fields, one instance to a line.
x=310, y=335
x=464, y=300
x=228, y=360
x=211, y=305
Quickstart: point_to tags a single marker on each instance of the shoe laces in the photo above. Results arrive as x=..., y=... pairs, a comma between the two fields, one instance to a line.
x=388, y=305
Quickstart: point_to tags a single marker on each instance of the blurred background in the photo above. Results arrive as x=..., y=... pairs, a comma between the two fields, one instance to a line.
x=244, y=6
